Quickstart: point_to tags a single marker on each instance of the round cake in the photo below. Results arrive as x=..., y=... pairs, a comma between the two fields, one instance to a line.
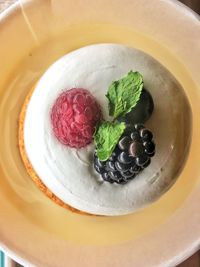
x=66, y=170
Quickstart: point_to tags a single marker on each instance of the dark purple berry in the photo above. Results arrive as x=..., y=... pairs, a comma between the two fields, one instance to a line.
x=98, y=169
x=136, y=149
x=138, y=126
x=124, y=158
x=121, y=181
x=142, y=111
x=146, y=135
x=115, y=176
x=127, y=174
x=124, y=143
x=122, y=167
x=135, y=169
x=129, y=129
x=106, y=177
x=99, y=163
x=110, y=166
x=141, y=160
x=135, y=136
x=152, y=154
x=149, y=147
x=112, y=157
x=147, y=163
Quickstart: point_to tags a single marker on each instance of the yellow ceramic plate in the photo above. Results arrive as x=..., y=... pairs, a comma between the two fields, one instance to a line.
x=34, y=230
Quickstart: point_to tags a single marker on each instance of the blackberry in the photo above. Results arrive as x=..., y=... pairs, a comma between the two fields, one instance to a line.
x=142, y=111
x=132, y=154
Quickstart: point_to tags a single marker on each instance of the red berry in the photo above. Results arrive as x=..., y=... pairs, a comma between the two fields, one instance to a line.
x=74, y=116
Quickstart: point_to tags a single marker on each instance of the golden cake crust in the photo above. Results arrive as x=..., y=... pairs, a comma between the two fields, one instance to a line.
x=28, y=165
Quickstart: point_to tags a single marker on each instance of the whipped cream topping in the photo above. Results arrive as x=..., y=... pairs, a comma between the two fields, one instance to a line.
x=69, y=172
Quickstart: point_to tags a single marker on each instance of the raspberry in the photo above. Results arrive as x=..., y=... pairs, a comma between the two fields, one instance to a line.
x=74, y=116
x=132, y=154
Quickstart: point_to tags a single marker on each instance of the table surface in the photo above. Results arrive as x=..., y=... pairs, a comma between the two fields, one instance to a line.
x=194, y=260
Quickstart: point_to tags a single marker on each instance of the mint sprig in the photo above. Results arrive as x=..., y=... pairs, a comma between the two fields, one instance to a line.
x=124, y=94
x=106, y=138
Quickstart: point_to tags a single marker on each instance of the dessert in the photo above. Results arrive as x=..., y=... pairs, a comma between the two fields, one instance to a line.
x=67, y=164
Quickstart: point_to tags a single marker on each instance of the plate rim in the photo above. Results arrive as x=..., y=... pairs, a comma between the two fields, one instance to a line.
x=15, y=8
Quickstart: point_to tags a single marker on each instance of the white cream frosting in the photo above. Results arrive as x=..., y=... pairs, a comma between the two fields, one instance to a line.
x=68, y=172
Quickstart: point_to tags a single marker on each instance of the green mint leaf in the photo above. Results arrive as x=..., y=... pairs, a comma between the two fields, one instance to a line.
x=106, y=137
x=124, y=94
